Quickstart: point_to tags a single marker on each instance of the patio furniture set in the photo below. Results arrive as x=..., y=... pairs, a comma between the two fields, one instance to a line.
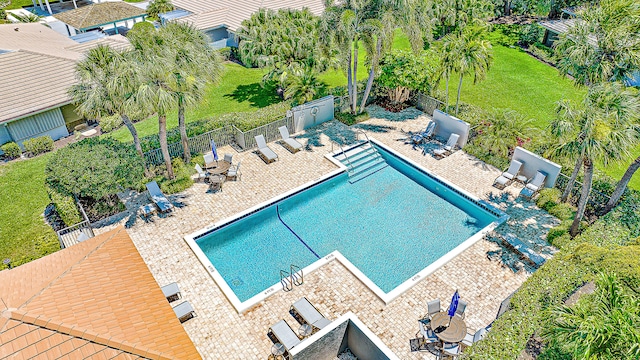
x=427, y=135
x=284, y=338
x=446, y=331
x=215, y=172
x=184, y=311
x=512, y=174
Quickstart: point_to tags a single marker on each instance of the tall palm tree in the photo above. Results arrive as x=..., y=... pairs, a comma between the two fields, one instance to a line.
x=192, y=64
x=303, y=86
x=603, y=44
x=603, y=133
x=474, y=56
x=602, y=325
x=448, y=50
x=106, y=86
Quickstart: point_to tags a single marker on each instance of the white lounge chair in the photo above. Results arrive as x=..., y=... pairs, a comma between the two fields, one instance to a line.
x=534, y=185
x=200, y=174
x=448, y=148
x=265, y=152
x=472, y=339
x=184, y=311
x=234, y=172
x=309, y=313
x=284, y=334
x=290, y=143
x=508, y=176
x=171, y=292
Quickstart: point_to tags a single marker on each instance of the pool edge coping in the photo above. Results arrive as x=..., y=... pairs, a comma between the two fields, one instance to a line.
x=242, y=306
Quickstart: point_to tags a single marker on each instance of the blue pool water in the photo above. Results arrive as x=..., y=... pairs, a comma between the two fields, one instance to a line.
x=391, y=225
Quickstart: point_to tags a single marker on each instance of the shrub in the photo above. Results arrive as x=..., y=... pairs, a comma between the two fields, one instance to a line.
x=349, y=119
x=555, y=233
x=11, y=150
x=530, y=34
x=94, y=168
x=110, y=123
x=3, y=15
x=65, y=207
x=142, y=26
x=562, y=211
x=181, y=182
x=39, y=145
x=548, y=198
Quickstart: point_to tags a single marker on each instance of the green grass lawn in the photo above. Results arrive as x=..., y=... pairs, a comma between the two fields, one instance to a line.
x=519, y=82
x=25, y=236
x=19, y=4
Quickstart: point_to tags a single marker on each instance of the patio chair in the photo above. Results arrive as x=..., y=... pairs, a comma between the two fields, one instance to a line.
x=265, y=152
x=534, y=185
x=462, y=306
x=451, y=349
x=234, y=172
x=158, y=198
x=228, y=158
x=209, y=161
x=200, y=174
x=171, y=292
x=433, y=307
x=309, y=313
x=508, y=176
x=283, y=333
x=290, y=143
x=184, y=311
x=426, y=333
x=472, y=339
x=448, y=148
x=419, y=138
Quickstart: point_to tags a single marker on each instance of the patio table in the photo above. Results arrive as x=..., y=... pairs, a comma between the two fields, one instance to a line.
x=454, y=333
x=221, y=168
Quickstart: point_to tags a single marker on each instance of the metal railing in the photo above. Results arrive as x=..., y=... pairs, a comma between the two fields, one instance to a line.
x=427, y=103
x=226, y=135
x=69, y=235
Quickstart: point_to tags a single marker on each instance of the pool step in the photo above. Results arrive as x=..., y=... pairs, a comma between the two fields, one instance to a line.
x=362, y=161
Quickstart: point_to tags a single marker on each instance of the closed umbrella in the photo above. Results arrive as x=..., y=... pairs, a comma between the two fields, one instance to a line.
x=214, y=151
x=454, y=306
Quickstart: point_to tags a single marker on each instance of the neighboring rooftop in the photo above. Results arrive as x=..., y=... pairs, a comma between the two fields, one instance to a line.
x=561, y=26
x=230, y=13
x=92, y=16
x=96, y=299
x=38, y=66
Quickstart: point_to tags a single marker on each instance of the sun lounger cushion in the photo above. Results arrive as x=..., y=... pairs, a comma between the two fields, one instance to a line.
x=536, y=183
x=266, y=152
x=158, y=197
x=309, y=313
x=282, y=331
x=502, y=180
x=171, y=291
x=184, y=311
x=293, y=144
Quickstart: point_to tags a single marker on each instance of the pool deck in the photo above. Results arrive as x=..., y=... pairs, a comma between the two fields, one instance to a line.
x=219, y=331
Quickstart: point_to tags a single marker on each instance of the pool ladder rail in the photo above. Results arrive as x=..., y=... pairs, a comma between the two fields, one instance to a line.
x=362, y=160
x=293, y=277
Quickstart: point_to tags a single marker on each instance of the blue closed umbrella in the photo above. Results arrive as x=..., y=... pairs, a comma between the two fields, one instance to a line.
x=454, y=305
x=213, y=150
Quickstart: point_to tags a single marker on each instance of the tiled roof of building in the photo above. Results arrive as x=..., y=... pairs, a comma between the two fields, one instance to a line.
x=38, y=67
x=231, y=13
x=92, y=16
x=95, y=300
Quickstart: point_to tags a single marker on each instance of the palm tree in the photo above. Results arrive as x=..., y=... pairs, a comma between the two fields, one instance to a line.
x=474, y=56
x=27, y=17
x=448, y=48
x=604, y=44
x=303, y=86
x=503, y=130
x=157, y=7
x=193, y=64
x=106, y=86
x=602, y=325
x=603, y=132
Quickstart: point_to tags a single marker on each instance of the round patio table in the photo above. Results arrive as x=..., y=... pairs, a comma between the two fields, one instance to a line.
x=221, y=168
x=454, y=333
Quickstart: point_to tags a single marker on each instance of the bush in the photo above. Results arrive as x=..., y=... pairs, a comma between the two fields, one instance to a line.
x=142, y=26
x=349, y=119
x=110, y=123
x=65, y=207
x=182, y=180
x=562, y=211
x=94, y=168
x=242, y=120
x=3, y=14
x=11, y=150
x=39, y=145
x=548, y=198
x=554, y=234
x=530, y=34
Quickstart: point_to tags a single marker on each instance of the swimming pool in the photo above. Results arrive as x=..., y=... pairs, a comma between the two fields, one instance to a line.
x=388, y=227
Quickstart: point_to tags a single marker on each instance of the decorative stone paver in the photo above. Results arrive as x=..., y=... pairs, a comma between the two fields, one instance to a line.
x=219, y=331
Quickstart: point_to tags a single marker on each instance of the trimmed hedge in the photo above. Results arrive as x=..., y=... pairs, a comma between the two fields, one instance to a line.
x=39, y=145
x=65, y=207
x=242, y=120
x=11, y=150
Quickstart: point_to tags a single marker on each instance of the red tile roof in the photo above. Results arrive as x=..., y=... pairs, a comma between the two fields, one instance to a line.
x=96, y=300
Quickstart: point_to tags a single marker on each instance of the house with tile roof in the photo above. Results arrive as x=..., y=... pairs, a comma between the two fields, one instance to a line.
x=94, y=300
x=220, y=19
x=38, y=66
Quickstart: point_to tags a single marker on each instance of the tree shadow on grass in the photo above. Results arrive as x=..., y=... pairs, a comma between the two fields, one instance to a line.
x=257, y=95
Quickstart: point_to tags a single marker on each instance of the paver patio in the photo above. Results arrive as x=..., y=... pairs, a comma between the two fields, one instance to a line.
x=220, y=332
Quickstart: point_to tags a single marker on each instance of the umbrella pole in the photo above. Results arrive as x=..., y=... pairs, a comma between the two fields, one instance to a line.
x=449, y=324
